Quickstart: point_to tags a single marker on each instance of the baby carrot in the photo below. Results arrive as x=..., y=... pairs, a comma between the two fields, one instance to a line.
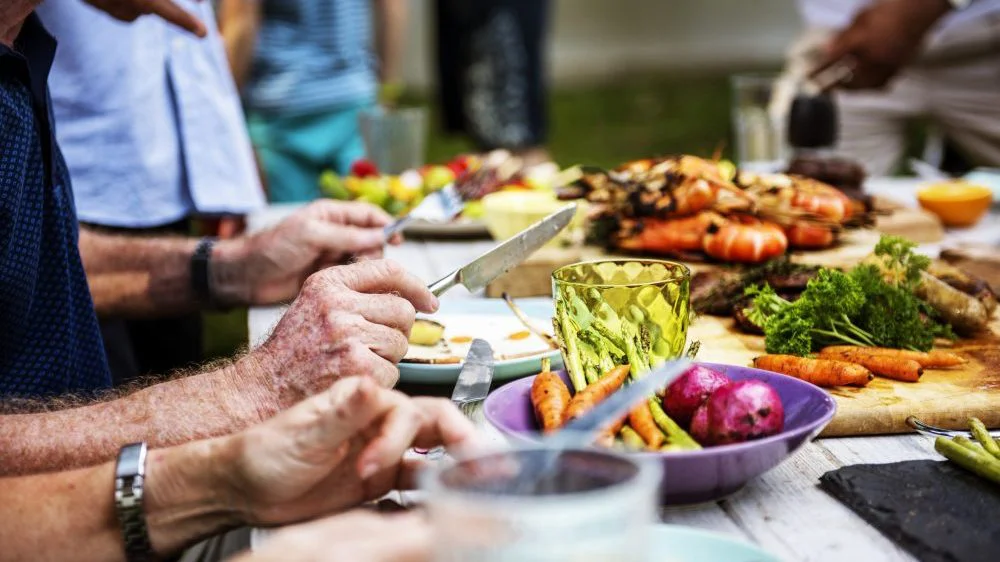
x=595, y=392
x=550, y=397
x=641, y=420
x=887, y=366
x=821, y=372
x=929, y=360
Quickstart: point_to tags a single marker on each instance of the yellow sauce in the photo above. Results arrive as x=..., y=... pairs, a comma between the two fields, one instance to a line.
x=460, y=339
x=524, y=334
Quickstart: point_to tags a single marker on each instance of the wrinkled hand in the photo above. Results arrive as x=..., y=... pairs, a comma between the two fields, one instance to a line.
x=129, y=10
x=336, y=450
x=348, y=320
x=882, y=39
x=358, y=535
x=274, y=263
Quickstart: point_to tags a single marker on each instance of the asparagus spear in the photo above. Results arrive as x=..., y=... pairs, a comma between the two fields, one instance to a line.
x=981, y=463
x=632, y=439
x=982, y=435
x=967, y=443
x=564, y=327
x=675, y=435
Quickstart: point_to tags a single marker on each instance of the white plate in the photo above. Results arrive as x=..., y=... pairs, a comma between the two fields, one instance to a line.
x=489, y=319
x=676, y=543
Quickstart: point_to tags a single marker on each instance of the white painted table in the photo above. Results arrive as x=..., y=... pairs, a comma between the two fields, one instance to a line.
x=783, y=511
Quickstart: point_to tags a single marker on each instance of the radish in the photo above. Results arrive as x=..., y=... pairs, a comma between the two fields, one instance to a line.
x=699, y=425
x=741, y=411
x=689, y=391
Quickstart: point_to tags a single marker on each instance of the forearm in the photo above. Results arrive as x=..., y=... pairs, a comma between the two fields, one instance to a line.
x=390, y=17
x=177, y=411
x=239, y=22
x=71, y=515
x=147, y=276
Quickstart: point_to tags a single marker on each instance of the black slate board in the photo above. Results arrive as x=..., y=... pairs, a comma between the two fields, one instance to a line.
x=935, y=510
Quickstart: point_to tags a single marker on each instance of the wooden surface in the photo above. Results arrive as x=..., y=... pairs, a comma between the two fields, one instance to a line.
x=943, y=397
x=783, y=511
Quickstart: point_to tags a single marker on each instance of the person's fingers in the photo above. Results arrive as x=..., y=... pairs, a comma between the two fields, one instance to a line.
x=176, y=15
x=361, y=361
x=386, y=310
x=396, y=432
x=356, y=213
x=444, y=425
x=388, y=343
x=385, y=276
x=339, y=239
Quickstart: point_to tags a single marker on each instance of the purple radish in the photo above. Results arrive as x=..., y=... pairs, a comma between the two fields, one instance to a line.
x=699, y=425
x=743, y=410
x=689, y=391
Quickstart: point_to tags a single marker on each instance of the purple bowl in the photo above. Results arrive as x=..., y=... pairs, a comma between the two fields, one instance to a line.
x=707, y=474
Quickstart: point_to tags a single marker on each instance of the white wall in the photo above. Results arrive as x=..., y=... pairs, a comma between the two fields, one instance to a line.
x=593, y=40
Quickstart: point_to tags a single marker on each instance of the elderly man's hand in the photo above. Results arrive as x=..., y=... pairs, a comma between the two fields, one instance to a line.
x=335, y=450
x=358, y=535
x=129, y=10
x=882, y=39
x=348, y=320
x=270, y=266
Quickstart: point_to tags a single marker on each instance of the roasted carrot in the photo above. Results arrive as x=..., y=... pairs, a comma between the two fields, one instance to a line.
x=928, y=360
x=596, y=391
x=887, y=366
x=821, y=372
x=550, y=397
x=641, y=420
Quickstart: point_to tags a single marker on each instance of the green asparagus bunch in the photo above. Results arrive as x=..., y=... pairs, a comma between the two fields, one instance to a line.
x=981, y=456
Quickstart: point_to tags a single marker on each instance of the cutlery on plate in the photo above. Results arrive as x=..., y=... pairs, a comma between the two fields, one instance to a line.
x=439, y=206
x=487, y=267
x=549, y=338
x=933, y=431
x=473, y=383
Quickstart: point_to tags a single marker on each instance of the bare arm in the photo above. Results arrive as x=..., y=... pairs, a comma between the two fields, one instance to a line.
x=239, y=21
x=143, y=276
x=390, y=20
x=204, y=405
x=71, y=516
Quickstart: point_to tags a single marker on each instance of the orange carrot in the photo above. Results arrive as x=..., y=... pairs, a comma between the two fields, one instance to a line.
x=887, y=366
x=641, y=420
x=929, y=360
x=821, y=372
x=550, y=397
x=596, y=391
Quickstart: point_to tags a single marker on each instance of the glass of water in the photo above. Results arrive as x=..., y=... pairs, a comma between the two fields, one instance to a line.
x=588, y=504
x=759, y=124
x=395, y=139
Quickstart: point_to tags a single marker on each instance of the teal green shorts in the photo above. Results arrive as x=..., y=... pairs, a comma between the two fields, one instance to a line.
x=295, y=150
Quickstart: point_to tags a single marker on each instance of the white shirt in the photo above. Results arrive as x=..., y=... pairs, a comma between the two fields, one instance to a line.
x=148, y=118
x=837, y=14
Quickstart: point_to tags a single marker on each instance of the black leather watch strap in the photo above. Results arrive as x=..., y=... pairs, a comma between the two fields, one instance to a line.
x=200, y=265
x=130, y=472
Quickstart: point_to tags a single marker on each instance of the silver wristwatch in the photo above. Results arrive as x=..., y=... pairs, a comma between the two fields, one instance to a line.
x=129, y=474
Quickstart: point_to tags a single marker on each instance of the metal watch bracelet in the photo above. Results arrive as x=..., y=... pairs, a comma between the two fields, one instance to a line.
x=130, y=472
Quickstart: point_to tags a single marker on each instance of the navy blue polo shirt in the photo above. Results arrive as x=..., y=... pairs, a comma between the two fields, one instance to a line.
x=49, y=340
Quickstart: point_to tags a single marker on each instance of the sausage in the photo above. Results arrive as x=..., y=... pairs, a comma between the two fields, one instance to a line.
x=965, y=313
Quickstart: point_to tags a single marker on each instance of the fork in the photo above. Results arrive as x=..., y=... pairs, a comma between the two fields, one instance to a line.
x=923, y=428
x=441, y=205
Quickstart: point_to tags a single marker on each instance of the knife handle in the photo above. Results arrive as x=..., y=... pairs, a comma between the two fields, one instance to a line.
x=441, y=285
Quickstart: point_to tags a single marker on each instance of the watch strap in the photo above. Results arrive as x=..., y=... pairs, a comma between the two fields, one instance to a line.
x=130, y=471
x=200, y=266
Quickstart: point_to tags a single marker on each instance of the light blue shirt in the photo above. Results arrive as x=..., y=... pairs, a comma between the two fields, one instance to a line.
x=312, y=57
x=148, y=118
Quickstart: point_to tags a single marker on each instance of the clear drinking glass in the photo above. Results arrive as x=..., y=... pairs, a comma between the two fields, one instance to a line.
x=593, y=505
x=759, y=125
x=395, y=139
x=630, y=310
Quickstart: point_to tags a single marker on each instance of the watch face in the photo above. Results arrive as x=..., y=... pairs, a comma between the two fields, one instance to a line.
x=131, y=460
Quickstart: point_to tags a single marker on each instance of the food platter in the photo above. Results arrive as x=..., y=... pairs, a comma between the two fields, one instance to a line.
x=488, y=319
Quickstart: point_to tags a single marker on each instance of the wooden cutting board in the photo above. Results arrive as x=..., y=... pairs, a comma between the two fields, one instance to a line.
x=946, y=398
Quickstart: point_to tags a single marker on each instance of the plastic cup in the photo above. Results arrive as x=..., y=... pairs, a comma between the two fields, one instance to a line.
x=759, y=126
x=592, y=505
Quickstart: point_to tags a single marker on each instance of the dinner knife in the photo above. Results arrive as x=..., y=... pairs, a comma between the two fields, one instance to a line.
x=487, y=267
x=473, y=382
